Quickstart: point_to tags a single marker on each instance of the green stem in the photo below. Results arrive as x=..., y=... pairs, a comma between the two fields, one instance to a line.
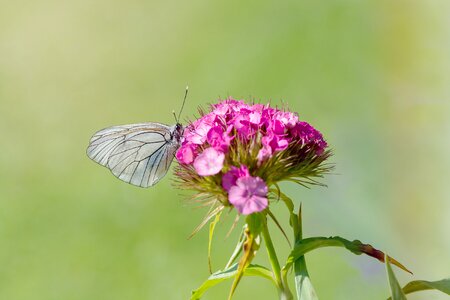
x=283, y=290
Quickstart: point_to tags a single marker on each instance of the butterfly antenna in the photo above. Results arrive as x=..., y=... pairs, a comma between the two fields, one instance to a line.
x=182, y=105
x=175, y=116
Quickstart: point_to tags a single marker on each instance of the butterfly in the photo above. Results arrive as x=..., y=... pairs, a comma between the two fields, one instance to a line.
x=139, y=154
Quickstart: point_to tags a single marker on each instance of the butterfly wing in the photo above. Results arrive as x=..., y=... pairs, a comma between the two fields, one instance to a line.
x=139, y=154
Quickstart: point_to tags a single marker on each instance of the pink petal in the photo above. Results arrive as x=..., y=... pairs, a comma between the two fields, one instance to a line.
x=185, y=154
x=230, y=178
x=209, y=162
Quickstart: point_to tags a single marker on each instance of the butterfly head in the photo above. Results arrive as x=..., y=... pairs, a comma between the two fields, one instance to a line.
x=178, y=132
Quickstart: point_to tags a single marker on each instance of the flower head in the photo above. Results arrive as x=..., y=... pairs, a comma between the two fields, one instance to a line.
x=234, y=153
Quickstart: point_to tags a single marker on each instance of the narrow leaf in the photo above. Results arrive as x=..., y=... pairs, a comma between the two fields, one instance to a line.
x=205, y=220
x=238, y=248
x=303, y=284
x=422, y=285
x=236, y=220
x=396, y=290
x=212, y=226
x=275, y=220
x=294, y=220
x=356, y=247
x=218, y=277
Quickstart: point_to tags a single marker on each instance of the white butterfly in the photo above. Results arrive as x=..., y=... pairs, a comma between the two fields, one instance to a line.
x=139, y=154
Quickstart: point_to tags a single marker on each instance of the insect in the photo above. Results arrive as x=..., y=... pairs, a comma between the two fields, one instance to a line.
x=139, y=154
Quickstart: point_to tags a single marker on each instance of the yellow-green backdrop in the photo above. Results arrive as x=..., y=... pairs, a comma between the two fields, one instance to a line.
x=373, y=76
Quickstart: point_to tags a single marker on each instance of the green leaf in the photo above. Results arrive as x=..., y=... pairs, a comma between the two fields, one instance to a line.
x=275, y=220
x=237, y=249
x=422, y=285
x=303, y=284
x=396, y=290
x=218, y=277
x=212, y=226
x=356, y=247
x=293, y=219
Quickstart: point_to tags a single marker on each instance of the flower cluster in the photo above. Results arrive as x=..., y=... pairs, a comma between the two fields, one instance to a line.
x=235, y=151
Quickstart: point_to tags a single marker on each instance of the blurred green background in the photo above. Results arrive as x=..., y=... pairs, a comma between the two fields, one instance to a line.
x=373, y=76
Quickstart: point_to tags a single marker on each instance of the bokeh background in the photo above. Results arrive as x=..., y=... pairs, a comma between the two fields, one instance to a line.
x=373, y=76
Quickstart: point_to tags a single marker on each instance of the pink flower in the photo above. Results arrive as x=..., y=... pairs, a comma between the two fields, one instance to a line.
x=255, y=117
x=230, y=178
x=287, y=118
x=241, y=119
x=308, y=135
x=275, y=142
x=249, y=195
x=247, y=123
x=186, y=153
x=263, y=154
x=196, y=133
x=209, y=162
x=277, y=127
x=218, y=139
x=227, y=107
